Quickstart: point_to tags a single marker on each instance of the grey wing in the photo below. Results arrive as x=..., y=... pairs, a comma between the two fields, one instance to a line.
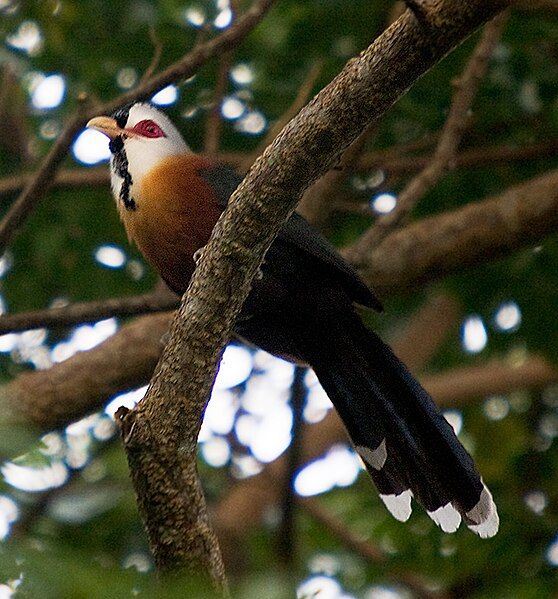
x=299, y=233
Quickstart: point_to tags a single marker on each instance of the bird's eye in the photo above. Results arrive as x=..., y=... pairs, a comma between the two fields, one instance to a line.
x=148, y=128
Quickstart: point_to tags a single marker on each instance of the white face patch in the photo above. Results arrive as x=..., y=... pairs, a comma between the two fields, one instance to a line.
x=144, y=153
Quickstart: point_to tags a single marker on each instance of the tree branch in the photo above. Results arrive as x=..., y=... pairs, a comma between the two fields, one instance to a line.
x=458, y=386
x=452, y=132
x=155, y=301
x=77, y=177
x=366, y=549
x=53, y=398
x=286, y=534
x=156, y=58
x=453, y=241
x=550, y=6
x=469, y=158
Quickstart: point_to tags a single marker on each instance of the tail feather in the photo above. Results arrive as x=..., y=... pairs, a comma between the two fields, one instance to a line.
x=408, y=447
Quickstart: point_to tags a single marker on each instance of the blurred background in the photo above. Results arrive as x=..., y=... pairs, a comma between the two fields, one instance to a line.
x=294, y=517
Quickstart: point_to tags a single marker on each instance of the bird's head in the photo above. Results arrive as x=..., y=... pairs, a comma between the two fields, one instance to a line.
x=141, y=136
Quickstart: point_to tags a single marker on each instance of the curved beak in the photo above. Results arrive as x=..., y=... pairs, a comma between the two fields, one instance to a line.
x=105, y=125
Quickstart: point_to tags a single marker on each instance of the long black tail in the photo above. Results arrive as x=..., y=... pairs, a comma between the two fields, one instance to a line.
x=408, y=447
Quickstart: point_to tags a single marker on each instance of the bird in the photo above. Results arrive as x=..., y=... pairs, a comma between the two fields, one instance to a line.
x=301, y=307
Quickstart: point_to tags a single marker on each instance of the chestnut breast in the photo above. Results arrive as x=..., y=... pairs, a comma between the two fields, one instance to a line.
x=175, y=214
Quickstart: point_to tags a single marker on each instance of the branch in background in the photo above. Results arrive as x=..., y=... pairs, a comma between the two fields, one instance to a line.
x=549, y=6
x=371, y=553
x=286, y=534
x=214, y=120
x=424, y=142
x=465, y=90
x=14, y=130
x=155, y=301
x=53, y=398
x=39, y=183
x=160, y=434
x=470, y=158
x=421, y=336
x=156, y=58
x=82, y=177
x=453, y=241
x=389, y=160
x=495, y=377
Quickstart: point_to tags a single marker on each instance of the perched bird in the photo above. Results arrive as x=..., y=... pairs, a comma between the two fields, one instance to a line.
x=302, y=308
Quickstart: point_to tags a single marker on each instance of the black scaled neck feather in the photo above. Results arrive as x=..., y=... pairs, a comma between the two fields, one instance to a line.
x=119, y=161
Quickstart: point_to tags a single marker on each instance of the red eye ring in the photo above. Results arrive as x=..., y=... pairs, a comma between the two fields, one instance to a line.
x=148, y=128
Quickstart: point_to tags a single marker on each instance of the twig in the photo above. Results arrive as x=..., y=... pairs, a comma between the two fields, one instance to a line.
x=214, y=120
x=424, y=142
x=370, y=552
x=302, y=96
x=156, y=58
x=450, y=137
x=183, y=68
x=88, y=312
x=418, y=8
x=286, y=533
